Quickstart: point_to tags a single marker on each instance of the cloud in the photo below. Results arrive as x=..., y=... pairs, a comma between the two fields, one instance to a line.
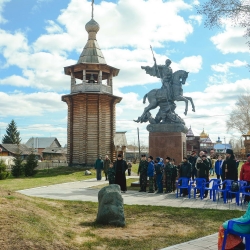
x=231, y=40
x=41, y=70
x=125, y=19
x=196, y=18
x=225, y=67
x=191, y=64
x=2, y=5
x=38, y=5
x=52, y=27
x=30, y=105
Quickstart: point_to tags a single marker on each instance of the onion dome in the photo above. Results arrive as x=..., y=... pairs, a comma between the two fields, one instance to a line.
x=203, y=134
x=92, y=26
x=92, y=52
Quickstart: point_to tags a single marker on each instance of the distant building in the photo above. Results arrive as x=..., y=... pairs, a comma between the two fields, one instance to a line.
x=120, y=143
x=55, y=154
x=220, y=147
x=40, y=143
x=193, y=142
x=205, y=142
x=15, y=149
x=133, y=153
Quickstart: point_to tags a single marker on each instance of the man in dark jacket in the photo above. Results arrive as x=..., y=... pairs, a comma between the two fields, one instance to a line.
x=142, y=172
x=159, y=171
x=185, y=171
x=229, y=168
x=174, y=175
x=168, y=175
x=120, y=167
x=185, y=168
x=192, y=159
x=203, y=167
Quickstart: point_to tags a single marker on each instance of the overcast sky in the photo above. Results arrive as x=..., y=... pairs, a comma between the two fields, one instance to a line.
x=41, y=37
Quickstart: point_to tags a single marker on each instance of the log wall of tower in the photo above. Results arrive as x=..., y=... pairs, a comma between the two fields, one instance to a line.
x=91, y=127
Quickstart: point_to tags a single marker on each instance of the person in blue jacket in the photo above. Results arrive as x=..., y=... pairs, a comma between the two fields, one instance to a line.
x=218, y=166
x=99, y=167
x=151, y=171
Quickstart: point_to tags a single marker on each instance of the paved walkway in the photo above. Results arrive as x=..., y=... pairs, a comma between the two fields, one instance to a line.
x=84, y=191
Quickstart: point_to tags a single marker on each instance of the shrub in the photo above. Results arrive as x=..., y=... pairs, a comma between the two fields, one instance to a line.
x=3, y=173
x=17, y=169
x=31, y=164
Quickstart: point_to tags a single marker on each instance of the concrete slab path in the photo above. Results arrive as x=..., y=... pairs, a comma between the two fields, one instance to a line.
x=86, y=191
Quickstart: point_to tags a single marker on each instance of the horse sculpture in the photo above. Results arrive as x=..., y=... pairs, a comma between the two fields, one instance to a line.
x=164, y=98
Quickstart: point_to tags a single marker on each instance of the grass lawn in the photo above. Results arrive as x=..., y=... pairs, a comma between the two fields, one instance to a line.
x=36, y=223
x=45, y=178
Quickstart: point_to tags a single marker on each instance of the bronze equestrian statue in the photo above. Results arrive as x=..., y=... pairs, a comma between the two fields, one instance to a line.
x=166, y=96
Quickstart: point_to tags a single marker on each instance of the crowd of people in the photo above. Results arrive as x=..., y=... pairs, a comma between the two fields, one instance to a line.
x=115, y=172
x=161, y=176
x=206, y=166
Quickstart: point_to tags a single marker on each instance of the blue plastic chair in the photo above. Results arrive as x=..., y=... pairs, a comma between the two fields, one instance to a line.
x=241, y=185
x=213, y=187
x=230, y=230
x=244, y=193
x=199, y=184
x=183, y=183
x=224, y=192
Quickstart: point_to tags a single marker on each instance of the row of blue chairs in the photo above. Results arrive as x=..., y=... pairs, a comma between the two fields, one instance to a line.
x=215, y=187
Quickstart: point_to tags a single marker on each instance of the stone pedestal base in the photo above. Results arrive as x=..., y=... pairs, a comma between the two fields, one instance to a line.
x=172, y=144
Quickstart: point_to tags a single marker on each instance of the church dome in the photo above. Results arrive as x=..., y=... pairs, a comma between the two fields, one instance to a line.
x=92, y=26
x=203, y=134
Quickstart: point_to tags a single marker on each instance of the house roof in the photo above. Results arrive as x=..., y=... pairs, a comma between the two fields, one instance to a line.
x=53, y=150
x=42, y=142
x=120, y=139
x=205, y=140
x=190, y=133
x=222, y=146
x=17, y=149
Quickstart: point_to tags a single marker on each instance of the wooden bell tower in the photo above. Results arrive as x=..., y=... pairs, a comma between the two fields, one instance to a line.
x=91, y=104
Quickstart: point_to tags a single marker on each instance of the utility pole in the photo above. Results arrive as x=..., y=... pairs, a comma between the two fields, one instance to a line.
x=139, y=143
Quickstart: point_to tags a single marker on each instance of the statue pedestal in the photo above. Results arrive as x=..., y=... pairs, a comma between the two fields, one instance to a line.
x=172, y=144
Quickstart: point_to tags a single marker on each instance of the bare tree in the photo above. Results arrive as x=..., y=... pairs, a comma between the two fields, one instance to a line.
x=238, y=11
x=239, y=118
x=236, y=145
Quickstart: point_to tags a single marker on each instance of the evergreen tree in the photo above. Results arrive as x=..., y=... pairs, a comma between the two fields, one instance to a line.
x=31, y=164
x=12, y=135
x=17, y=169
x=3, y=173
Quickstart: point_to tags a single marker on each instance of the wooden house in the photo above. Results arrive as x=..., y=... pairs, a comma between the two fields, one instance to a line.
x=55, y=154
x=38, y=144
x=17, y=149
